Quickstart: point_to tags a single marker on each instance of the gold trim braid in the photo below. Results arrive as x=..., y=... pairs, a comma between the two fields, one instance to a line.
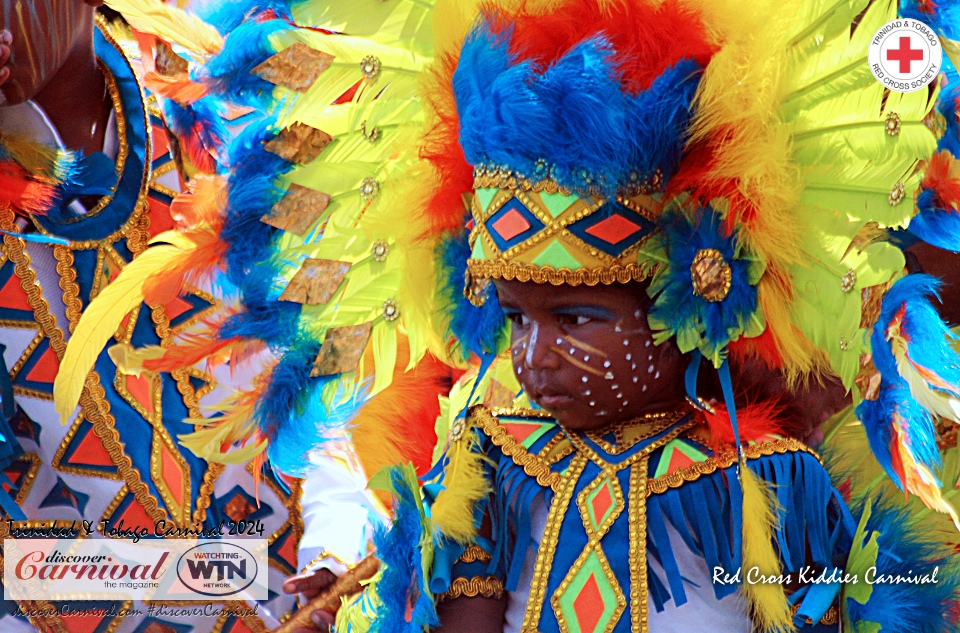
x=486, y=586
x=492, y=269
x=530, y=463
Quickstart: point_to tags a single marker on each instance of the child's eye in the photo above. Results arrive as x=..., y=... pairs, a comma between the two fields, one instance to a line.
x=574, y=319
x=518, y=318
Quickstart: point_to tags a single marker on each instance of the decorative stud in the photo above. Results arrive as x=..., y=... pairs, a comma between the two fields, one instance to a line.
x=476, y=290
x=892, y=125
x=849, y=281
x=457, y=429
x=711, y=275
x=380, y=250
x=844, y=345
x=372, y=135
x=896, y=194
x=390, y=310
x=608, y=376
x=369, y=189
x=370, y=67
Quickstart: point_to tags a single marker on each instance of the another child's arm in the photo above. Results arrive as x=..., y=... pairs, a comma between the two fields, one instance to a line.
x=471, y=615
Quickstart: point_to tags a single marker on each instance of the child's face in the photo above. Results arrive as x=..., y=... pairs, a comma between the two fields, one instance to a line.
x=586, y=355
x=44, y=34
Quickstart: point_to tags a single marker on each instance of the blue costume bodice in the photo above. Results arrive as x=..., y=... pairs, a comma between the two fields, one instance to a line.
x=614, y=497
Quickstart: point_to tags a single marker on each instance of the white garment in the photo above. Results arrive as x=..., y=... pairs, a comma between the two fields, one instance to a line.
x=725, y=616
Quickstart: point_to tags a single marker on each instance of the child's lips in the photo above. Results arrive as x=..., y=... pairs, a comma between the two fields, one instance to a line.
x=553, y=400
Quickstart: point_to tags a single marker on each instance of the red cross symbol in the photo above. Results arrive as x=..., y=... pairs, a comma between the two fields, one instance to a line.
x=905, y=55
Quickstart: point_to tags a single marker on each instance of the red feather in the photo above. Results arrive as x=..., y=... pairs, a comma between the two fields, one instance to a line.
x=942, y=176
x=669, y=32
x=444, y=207
x=23, y=193
x=755, y=422
x=187, y=354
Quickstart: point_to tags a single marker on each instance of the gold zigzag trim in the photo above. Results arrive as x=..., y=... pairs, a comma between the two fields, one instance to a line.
x=486, y=586
x=753, y=451
x=486, y=269
x=530, y=463
x=475, y=553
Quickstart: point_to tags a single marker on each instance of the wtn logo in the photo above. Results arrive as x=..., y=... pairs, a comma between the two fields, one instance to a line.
x=217, y=568
x=224, y=568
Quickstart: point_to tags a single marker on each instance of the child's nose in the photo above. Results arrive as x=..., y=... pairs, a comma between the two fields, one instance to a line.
x=542, y=350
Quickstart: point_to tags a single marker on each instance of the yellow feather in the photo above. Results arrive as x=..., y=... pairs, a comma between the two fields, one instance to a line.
x=169, y=23
x=768, y=602
x=465, y=483
x=99, y=323
x=129, y=360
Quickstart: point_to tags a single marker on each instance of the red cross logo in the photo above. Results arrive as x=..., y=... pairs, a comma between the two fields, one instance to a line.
x=905, y=55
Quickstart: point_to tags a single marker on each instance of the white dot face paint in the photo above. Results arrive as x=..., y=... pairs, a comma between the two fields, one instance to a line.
x=633, y=365
x=614, y=387
x=618, y=329
x=619, y=395
x=636, y=315
x=636, y=380
x=519, y=370
x=650, y=369
x=572, y=351
x=647, y=344
x=559, y=341
x=606, y=363
x=583, y=378
x=608, y=376
x=656, y=375
x=586, y=358
x=629, y=356
x=644, y=388
x=626, y=342
x=592, y=403
x=625, y=403
x=650, y=357
x=587, y=392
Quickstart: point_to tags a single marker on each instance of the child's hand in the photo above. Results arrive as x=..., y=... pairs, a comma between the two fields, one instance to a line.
x=309, y=585
x=6, y=39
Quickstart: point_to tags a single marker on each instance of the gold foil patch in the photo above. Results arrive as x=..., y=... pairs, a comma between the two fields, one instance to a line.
x=316, y=281
x=342, y=349
x=295, y=67
x=299, y=143
x=167, y=62
x=868, y=378
x=297, y=210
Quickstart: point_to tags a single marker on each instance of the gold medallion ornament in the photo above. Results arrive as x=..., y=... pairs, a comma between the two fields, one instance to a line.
x=711, y=275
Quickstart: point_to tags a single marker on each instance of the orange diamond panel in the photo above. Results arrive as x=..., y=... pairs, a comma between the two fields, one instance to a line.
x=511, y=225
x=614, y=229
x=601, y=502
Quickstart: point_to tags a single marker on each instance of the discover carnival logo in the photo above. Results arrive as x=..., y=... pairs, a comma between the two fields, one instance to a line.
x=905, y=55
x=161, y=569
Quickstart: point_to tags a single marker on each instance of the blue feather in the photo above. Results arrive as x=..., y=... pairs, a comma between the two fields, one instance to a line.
x=229, y=73
x=402, y=585
x=477, y=330
x=574, y=114
x=904, y=551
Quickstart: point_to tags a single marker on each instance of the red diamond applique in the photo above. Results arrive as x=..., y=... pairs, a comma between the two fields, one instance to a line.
x=588, y=605
x=511, y=224
x=601, y=502
x=614, y=229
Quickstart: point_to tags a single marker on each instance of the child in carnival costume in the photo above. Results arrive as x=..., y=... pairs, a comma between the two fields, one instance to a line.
x=653, y=186
x=649, y=187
